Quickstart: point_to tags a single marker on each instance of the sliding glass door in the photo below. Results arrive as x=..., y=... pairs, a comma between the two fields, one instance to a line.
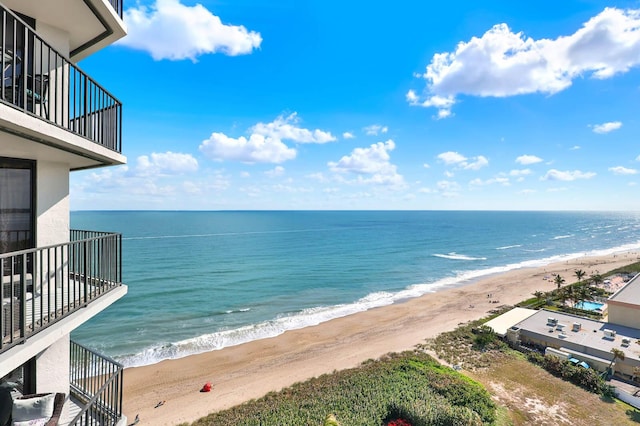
x=17, y=180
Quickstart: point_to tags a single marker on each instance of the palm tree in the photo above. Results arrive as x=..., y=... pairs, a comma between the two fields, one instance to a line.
x=579, y=273
x=636, y=373
x=538, y=294
x=597, y=279
x=617, y=354
x=558, y=280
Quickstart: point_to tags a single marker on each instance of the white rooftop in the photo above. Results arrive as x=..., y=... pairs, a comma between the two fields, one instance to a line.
x=502, y=323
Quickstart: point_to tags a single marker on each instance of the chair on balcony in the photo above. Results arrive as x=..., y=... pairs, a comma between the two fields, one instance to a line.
x=37, y=87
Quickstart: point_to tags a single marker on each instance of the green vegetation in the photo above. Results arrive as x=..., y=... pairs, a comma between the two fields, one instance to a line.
x=409, y=385
x=586, y=378
x=634, y=268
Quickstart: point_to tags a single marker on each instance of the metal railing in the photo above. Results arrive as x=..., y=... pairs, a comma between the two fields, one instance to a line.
x=43, y=83
x=117, y=6
x=41, y=286
x=95, y=381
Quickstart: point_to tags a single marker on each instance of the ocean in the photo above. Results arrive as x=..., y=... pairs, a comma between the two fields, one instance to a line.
x=200, y=281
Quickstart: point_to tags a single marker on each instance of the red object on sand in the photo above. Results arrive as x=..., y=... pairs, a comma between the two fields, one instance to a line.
x=206, y=387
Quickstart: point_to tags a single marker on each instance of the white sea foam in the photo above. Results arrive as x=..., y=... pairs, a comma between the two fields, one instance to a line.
x=455, y=256
x=231, y=311
x=560, y=237
x=509, y=247
x=317, y=315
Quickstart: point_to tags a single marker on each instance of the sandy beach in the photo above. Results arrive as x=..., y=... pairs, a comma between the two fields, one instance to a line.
x=251, y=370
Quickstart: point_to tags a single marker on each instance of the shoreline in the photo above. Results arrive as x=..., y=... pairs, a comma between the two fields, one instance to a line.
x=250, y=370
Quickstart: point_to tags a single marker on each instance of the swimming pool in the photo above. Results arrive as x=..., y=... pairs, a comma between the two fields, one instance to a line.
x=589, y=306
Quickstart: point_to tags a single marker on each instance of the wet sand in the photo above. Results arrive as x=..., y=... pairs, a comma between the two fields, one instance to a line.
x=248, y=371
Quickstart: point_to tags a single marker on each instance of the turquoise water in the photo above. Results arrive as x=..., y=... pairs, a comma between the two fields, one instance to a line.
x=205, y=280
x=589, y=306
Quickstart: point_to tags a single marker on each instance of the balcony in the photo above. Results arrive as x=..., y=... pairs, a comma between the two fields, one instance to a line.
x=96, y=388
x=40, y=82
x=46, y=285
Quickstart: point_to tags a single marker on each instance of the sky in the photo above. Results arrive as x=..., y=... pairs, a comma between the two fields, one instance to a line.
x=350, y=105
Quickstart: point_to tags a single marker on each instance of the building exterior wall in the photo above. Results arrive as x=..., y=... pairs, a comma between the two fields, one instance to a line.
x=52, y=368
x=626, y=315
x=625, y=366
x=52, y=203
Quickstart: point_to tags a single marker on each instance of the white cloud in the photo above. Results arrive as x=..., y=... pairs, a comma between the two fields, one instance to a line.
x=426, y=166
x=525, y=160
x=256, y=149
x=456, y=159
x=448, y=188
x=265, y=144
x=574, y=148
x=497, y=180
x=638, y=158
x=451, y=157
x=607, y=127
x=554, y=174
x=375, y=129
x=245, y=174
x=619, y=170
x=276, y=171
x=502, y=63
x=371, y=165
x=520, y=172
x=171, y=30
x=480, y=161
x=166, y=163
x=348, y=135
x=285, y=128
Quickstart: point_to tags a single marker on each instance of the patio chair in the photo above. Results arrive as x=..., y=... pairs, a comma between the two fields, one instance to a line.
x=37, y=87
x=58, y=404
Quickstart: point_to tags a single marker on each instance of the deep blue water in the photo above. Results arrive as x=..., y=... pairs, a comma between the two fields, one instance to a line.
x=205, y=280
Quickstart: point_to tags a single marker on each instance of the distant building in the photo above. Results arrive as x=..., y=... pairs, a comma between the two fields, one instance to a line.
x=584, y=339
x=55, y=119
x=624, y=304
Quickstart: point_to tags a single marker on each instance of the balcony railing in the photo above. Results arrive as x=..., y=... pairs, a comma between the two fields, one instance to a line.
x=117, y=6
x=43, y=83
x=44, y=285
x=96, y=384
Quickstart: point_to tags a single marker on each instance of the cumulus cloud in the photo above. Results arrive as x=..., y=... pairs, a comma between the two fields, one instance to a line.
x=275, y=172
x=166, y=163
x=348, y=135
x=525, y=160
x=375, y=129
x=502, y=63
x=619, y=170
x=452, y=158
x=520, y=172
x=286, y=128
x=370, y=165
x=171, y=30
x=265, y=144
x=607, y=127
x=497, y=180
x=558, y=175
x=256, y=149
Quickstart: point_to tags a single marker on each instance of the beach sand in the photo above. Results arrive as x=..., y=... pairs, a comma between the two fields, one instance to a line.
x=251, y=370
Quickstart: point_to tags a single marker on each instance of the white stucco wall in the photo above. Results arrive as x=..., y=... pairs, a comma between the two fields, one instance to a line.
x=52, y=203
x=55, y=37
x=52, y=368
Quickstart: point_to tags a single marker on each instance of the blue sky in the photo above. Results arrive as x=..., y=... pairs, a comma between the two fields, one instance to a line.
x=233, y=105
